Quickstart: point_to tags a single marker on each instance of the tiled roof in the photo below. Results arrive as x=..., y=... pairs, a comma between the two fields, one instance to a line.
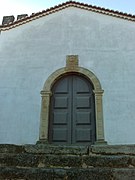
x=65, y=5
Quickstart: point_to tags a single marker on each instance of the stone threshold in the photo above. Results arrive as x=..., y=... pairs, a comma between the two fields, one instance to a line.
x=63, y=149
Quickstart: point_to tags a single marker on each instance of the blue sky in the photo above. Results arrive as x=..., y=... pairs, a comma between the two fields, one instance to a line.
x=15, y=7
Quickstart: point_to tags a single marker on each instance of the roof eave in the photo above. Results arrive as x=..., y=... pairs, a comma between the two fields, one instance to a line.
x=64, y=6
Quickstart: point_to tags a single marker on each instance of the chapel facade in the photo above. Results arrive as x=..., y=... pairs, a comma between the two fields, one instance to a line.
x=80, y=59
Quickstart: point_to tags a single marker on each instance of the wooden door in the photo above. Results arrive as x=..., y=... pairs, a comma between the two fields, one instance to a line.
x=72, y=114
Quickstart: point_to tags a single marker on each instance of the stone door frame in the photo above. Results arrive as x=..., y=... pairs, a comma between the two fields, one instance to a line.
x=71, y=67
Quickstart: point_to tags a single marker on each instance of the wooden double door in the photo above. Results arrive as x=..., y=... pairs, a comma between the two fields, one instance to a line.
x=72, y=112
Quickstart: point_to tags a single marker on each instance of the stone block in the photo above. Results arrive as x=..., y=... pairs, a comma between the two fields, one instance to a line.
x=7, y=20
x=21, y=16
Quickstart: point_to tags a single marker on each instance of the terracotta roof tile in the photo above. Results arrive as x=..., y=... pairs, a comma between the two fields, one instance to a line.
x=67, y=4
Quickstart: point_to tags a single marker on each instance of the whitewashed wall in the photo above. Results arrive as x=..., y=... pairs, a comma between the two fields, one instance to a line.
x=31, y=52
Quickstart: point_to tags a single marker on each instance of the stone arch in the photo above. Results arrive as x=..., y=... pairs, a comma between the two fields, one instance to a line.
x=71, y=67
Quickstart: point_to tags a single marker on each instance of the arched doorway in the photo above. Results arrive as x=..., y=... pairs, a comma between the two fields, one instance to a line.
x=72, y=111
x=71, y=68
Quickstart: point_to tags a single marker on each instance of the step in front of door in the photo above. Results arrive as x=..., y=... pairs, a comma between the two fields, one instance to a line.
x=66, y=174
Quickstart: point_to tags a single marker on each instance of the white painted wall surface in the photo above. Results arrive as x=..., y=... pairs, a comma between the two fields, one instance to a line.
x=31, y=52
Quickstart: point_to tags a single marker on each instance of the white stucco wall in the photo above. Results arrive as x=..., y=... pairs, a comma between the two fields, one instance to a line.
x=31, y=52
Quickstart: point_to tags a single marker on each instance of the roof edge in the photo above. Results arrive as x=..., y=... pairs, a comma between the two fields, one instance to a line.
x=62, y=6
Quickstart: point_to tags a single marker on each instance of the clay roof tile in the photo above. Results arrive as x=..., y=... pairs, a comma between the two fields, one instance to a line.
x=64, y=5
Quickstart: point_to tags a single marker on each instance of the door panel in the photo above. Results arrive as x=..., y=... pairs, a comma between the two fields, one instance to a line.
x=60, y=118
x=60, y=113
x=60, y=134
x=72, y=115
x=80, y=85
x=83, y=108
x=83, y=118
x=82, y=102
x=83, y=135
x=61, y=102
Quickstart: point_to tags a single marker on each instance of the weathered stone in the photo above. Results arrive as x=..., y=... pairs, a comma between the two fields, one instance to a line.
x=64, y=163
x=92, y=173
x=20, y=160
x=67, y=174
x=113, y=149
x=55, y=173
x=51, y=149
x=10, y=148
x=106, y=161
x=132, y=161
x=25, y=173
x=37, y=160
x=124, y=174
